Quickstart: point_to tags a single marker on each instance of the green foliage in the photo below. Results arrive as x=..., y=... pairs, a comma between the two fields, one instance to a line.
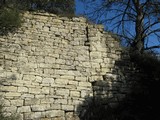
x=94, y=109
x=52, y=6
x=10, y=19
x=140, y=104
x=148, y=62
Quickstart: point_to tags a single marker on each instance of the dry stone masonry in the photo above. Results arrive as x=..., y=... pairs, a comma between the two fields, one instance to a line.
x=48, y=65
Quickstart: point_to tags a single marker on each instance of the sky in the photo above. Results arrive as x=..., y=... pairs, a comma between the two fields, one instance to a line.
x=80, y=8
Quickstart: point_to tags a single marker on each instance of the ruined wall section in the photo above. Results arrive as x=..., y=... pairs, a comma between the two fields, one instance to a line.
x=47, y=67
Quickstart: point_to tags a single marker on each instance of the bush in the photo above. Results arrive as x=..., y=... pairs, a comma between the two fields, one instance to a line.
x=10, y=20
x=147, y=62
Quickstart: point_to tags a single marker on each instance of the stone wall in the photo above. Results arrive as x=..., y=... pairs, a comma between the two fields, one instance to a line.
x=48, y=65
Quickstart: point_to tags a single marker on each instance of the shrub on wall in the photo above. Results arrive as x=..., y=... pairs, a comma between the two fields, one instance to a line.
x=10, y=19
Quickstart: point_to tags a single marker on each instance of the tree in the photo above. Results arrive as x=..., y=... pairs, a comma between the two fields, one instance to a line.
x=134, y=21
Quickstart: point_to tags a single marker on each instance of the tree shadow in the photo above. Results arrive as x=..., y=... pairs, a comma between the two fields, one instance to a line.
x=125, y=94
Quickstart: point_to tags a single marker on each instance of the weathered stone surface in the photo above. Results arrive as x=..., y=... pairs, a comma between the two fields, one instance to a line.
x=24, y=109
x=16, y=102
x=41, y=107
x=23, y=89
x=48, y=65
x=55, y=113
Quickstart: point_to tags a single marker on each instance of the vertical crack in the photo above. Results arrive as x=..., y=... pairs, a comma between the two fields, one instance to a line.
x=87, y=43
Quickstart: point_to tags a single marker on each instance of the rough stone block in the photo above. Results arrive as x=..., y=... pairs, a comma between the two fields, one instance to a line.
x=24, y=109
x=22, y=89
x=75, y=93
x=63, y=92
x=55, y=113
x=45, y=90
x=61, y=81
x=68, y=107
x=40, y=107
x=16, y=102
x=85, y=84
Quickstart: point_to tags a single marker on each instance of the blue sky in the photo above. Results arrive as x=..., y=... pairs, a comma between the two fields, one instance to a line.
x=80, y=8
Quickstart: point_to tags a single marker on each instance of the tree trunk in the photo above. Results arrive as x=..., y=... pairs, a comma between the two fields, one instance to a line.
x=138, y=44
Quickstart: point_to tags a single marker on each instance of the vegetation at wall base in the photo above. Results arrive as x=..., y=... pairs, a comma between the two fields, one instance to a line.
x=148, y=62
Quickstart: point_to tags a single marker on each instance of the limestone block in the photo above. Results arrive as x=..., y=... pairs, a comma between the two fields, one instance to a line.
x=48, y=81
x=35, y=90
x=12, y=94
x=10, y=57
x=45, y=65
x=75, y=93
x=26, y=96
x=83, y=88
x=36, y=115
x=60, y=61
x=54, y=29
x=95, y=77
x=63, y=92
x=49, y=60
x=46, y=29
x=41, y=107
x=95, y=65
x=61, y=101
x=95, y=55
x=85, y=84
x=97, y=60
x=32, y=65
x=84, y=79
x=56, y=106
x=48, y=71
x=28, y=77
x=24, y=109
x=55, y=21
x=45, y=90
x=71, y=116
x=61, y=81
x=16, y=102
x=39, y=96
x=73, y=83
x=74, y=73
x=54, y=113
x=67, y=77
x=31, y=101
x=86, y=64
x=84, y=93
x=22, y=59
x=59, y=118
x=68, y=107
x=22, y=89
x=11, y=109
x=40, y=59
x=62, y=72
x=6, y=102
x=8, y=88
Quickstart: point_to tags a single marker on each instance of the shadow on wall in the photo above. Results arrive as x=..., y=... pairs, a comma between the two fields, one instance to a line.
x=126, y=94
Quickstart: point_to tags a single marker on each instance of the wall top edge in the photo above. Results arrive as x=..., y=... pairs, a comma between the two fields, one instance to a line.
x=63, y=18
